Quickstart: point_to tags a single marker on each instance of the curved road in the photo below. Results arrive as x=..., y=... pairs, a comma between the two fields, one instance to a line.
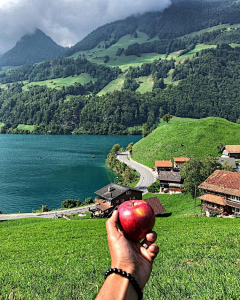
x=147, y=175
x=50, y=214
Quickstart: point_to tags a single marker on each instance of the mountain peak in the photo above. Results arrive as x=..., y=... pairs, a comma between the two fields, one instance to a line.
x=31, y=48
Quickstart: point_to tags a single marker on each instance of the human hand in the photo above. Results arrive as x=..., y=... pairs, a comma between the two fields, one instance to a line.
x=131, y=256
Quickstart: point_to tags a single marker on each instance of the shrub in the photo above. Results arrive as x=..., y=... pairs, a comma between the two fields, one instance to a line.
x=155, y=187
x=214, y=213
x=70, y=203
x=88, y=200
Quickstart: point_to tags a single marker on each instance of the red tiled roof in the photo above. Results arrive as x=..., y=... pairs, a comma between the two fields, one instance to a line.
x=156, y=205
x=213, y=198
x=163, y=163
x=181, y=159
x=223, y=182
x=232, y=148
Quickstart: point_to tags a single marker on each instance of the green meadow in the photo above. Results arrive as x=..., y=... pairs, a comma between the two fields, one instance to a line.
x=45, y=259
x=187, y=138
x=60, y=82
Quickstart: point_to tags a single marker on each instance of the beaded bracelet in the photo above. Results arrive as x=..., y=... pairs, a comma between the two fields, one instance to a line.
x=129, y=277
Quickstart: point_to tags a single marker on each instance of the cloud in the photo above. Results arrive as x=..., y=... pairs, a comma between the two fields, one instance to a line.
x=65, y=21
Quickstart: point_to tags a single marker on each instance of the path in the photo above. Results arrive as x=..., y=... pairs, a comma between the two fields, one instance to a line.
x=147, y=175
x=50, y=214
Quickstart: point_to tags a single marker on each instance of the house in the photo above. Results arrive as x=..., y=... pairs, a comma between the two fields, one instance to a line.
x=163, y=165
x=170, y=182
x=221, y=192
x=156, y=205
x=178, y=162
x=112, y=195
x=228, y=160
x=232, y=151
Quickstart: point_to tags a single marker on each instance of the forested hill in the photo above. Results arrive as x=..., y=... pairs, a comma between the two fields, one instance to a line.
x=179, y=19
x=32, y=48
x=209, y=86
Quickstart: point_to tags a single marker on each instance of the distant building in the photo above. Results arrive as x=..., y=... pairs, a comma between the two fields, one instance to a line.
x=163, y=165
x=170, y=182
x=112, y=195
x=232, y=151
x=178, y=162
x=221, y=192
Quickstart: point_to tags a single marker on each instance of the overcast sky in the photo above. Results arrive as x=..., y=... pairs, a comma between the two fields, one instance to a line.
x=65, y=21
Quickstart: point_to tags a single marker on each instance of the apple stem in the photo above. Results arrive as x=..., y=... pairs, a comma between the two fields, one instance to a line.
x=132, y=203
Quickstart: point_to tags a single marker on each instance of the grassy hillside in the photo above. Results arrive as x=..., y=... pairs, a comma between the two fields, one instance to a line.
x=58, y=259
x=199, y=137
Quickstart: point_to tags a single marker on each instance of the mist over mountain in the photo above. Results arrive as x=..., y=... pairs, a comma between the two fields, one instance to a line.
x=30, y=49
x=178, y=19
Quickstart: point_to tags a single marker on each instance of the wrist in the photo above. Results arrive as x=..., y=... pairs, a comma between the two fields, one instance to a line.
x=132, y=284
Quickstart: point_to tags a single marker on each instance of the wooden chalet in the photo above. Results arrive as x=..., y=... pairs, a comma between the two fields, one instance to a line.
x=163, y=165
x=111, y=196
x=221, y=192
x=232, y=151
x=178, y=162
x=170, y=182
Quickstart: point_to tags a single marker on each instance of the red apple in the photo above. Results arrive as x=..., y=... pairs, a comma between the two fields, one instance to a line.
x=136, y=218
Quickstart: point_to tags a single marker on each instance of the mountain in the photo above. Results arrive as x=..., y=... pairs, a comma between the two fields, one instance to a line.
x=30, y=49
x=181, y=18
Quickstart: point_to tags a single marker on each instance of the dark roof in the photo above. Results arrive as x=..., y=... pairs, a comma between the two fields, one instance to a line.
x=156, y=205
x=169, y=176
x=223, y=182
x=114, y=190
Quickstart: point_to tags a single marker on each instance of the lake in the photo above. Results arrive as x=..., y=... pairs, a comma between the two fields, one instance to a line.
x=38, y=170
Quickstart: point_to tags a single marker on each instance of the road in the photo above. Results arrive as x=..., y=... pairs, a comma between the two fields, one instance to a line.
x=50, y=214
x=147, y=175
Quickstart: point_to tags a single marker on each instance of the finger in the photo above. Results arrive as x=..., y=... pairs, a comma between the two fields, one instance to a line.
x=150, y=238
x=112, y=224
x=153, y=251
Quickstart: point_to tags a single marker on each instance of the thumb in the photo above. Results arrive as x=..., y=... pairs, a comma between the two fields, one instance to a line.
x=112, y=224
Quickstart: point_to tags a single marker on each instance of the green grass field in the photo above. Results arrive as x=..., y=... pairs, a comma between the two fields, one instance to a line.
x=58, y=259
x=200, y=137
x=60, y=82
x=30, y=128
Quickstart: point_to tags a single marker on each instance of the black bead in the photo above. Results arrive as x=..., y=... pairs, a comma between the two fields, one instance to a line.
x=129, y=275
x=124, y=273
x=119, y=271
x=115, y=270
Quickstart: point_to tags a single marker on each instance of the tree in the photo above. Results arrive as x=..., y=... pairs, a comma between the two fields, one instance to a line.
x=167, y=117
x=145, y=130
x=195, y=171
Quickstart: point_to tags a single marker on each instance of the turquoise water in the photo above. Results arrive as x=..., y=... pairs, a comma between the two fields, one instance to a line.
x=45, y=169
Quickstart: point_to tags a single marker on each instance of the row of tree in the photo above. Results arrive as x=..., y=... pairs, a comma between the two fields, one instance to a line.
x=209, y=86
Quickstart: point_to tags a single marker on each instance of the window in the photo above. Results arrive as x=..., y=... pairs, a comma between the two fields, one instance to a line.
x=122, y=200
x=234, y=198
x=117, y=201
x=128, y=193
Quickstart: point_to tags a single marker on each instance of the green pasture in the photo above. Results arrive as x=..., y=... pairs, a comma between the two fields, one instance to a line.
x=60, y=82
x=114, y=85
x=45, y=259
x=29, y=128
x=187, y=138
